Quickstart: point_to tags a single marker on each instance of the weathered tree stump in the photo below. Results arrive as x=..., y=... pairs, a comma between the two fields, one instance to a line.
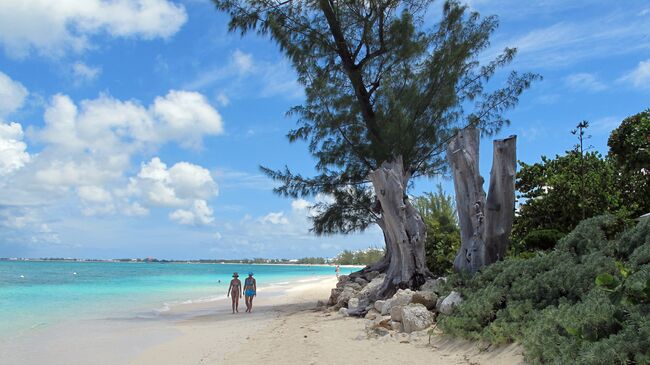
x=485, y=224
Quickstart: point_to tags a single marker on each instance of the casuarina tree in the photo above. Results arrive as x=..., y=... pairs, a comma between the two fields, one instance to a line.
x=384, y=90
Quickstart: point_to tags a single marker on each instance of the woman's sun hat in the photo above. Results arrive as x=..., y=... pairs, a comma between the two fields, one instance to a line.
x=235, y=275
x=250, y=273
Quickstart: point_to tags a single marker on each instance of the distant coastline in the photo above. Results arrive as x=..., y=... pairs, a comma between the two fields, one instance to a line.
x=164, y=261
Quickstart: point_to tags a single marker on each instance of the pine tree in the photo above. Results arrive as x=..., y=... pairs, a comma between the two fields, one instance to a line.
x=384, y=93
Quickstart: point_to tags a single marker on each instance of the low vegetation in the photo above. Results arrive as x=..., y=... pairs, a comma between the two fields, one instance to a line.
x=585, y=302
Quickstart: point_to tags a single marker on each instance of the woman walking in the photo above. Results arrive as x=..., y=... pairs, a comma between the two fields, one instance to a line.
x=250, y=290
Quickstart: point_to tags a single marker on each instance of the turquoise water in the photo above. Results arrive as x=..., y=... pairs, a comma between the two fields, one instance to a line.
x=37, y=294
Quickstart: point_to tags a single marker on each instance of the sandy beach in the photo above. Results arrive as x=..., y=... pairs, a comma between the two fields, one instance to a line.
x=285, y=327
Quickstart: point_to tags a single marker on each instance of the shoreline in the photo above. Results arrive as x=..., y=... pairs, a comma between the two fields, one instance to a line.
x=285, y=327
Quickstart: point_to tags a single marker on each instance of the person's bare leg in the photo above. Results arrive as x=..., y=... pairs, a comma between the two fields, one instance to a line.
x=236, y=305
x=250, y=305
x=233, y=305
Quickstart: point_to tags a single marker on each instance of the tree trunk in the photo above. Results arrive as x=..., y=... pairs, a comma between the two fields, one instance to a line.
x=484, y=234
x=501, y=197
x=404, y=231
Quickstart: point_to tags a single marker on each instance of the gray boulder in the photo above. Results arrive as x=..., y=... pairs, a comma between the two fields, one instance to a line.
x=379, y=304
x=372, y=286
x=372, y=314
x=343, y=311
x=426, y=298
x=450, y=302
x=396, y=313
x=402, y=297
x=433, y=285
x=353, y=303
x=416, y=317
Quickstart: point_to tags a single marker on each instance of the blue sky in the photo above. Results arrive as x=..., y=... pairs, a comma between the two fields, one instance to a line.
x=136, y=128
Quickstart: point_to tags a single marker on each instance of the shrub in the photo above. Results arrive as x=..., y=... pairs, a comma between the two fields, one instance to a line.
x=541, y=239
x=552, y=305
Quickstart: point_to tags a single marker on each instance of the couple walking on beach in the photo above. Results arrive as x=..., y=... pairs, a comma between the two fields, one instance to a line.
x=250, y=291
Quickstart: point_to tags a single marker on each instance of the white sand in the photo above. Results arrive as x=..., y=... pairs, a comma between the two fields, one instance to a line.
x=284, y=328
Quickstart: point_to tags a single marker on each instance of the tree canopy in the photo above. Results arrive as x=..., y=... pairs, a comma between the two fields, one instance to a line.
x=380, y=84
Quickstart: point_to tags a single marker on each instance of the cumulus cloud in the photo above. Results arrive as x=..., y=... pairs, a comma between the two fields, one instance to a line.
x=199, y=214
x=184, y=185
x=640, y=76
x=53, y=28
x=13, y=151
x=12, y=95
x=108, y=125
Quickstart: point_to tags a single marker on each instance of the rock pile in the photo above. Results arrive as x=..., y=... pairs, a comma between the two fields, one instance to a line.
x=406, y=312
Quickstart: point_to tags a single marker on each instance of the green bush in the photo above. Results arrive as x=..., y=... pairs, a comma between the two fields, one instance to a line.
x=541, y=239
x=552, y=305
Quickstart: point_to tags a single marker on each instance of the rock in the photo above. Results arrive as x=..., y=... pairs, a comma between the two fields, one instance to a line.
x=450, y=302
x=361, y=281
x=353, y=303
x=343, y=311
x=372, y=314
x=396, y=326
x=439, y=303
x=396, y=313
x=402, y=297
x=371, y=275
x=372, y=286
x=347, y=293
x=343, y=279
x=334, y=296
x=353, y=285
x=379, y=304
x=416, y=317
x=426, y=298
x=433, y=285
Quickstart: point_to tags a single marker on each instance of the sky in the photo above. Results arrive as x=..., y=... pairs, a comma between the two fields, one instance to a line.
x=136, y=128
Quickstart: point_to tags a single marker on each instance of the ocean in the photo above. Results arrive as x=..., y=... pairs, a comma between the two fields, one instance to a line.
x=36, y=294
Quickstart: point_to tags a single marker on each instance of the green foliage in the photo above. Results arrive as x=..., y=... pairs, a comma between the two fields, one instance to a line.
x=381, y=83
x=557, y=193
x=362, y=257
x=541, y=239
x=629, y=149
x=585, y=302
x=312, y=261
x=443, y=234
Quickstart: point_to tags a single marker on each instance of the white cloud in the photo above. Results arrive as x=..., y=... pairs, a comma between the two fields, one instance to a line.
x=242, y=61
x=53, y=28
x=274, y=218
x=13, y=151
x=300, y=204
x=199, y=214
x=12, y=95
x=584, y=82
x=223, y=99
x=177, y=186
x=85, y=73
x=111, y=130
x=186, y=117
x=184, y=186
x=640, y=76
